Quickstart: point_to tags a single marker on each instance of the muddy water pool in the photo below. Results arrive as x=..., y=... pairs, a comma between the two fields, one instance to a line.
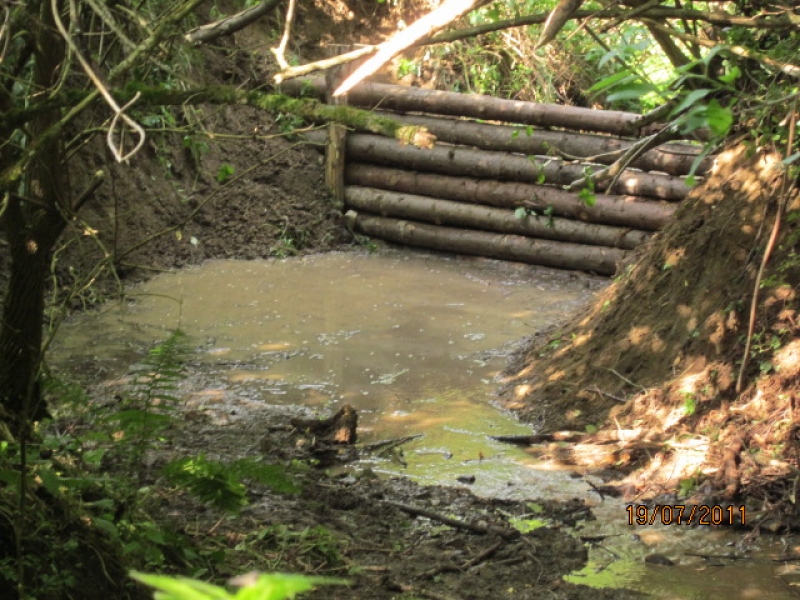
x=414, y=342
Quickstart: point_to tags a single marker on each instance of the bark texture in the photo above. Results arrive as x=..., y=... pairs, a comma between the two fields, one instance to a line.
x=498, y=220
x=468, y=162
x=518, y=248
x=625, y=211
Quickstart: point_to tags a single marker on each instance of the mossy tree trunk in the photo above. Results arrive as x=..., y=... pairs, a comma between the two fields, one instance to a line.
x=33, y=220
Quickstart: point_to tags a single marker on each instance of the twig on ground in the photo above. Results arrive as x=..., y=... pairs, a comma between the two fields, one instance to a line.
x=468, y=525
x=393, y=443
x=626, y=380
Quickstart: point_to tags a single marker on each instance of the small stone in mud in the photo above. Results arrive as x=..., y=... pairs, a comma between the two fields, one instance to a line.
x=470, y=479
x=658, y=559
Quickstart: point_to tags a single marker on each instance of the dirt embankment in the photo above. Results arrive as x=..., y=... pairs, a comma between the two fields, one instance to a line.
x=658, y=354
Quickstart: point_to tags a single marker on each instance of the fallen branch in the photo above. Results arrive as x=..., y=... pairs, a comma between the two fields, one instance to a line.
x=321, y=65
x=717, y=556
x=211, y=31
x=467, y=525
x=613, y=172
x=390, y=443
x=619, y=435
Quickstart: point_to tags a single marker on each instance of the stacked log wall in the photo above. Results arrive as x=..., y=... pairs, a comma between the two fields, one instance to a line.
x=498, y=189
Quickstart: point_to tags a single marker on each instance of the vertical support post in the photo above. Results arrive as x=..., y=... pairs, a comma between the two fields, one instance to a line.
x=334, y=163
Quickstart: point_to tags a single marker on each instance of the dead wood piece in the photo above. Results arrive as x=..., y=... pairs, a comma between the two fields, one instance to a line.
x=410, y=99
x=211, y=31
x=600, y=437
x=442, y=568
x=484, y=218
x=481, y=557
x=335, y=163
x=470, y=162
x=564, y=255
x=391, y=443
x=672, y=158
x=628, y=211
x=717, y=556
x=453, y=568
x=468, y=525
x=339, y=429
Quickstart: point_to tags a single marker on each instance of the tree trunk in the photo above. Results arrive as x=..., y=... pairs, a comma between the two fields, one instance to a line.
x=674, y=159
x=498, y=220
x=408, y=99
x=625, y=211
x=506, y=247
x=23, y=312
x=32, y=225
x=457, y=160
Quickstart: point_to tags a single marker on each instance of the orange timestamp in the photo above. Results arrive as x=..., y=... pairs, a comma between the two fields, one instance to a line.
x=682, y=514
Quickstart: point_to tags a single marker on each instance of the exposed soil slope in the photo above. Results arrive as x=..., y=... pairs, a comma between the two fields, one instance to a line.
x=659, y=351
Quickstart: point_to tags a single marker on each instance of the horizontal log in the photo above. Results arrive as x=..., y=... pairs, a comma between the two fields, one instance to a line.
x=484, y=218
x=469, y=162
x=625, y=211
x=674, y=159
x=518, y=248
x=411, y=99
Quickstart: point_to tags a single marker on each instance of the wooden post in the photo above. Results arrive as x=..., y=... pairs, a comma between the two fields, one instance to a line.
x=337, y=134
x=334, y=163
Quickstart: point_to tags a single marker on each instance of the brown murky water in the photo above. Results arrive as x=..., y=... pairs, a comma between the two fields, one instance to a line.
x=413, y=341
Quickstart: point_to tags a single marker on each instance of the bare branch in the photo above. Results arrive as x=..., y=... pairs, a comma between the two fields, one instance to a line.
x=5, y=33
x=280, y=51
x=786, y=68
x=108, y=19
x=433, y=21
x=211, y=31
x=660, y=13
x=118, y=112
x=556, y=21
x=321, y=65
x=613, y=171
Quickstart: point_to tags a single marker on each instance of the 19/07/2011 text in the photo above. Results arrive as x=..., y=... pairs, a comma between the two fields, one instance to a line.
x=681, y=514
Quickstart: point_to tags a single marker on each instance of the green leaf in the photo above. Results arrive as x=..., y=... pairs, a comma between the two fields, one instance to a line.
x=181, y=588
x=690, y=100
x=526, y=525
x=521, y=213
x=719, y=118
x=225, y=172
x=731, y=75
x=790, y=159
x=50, y=481
x=106, y=526
x=588, y=197
x=617, y=78
x=630, y=91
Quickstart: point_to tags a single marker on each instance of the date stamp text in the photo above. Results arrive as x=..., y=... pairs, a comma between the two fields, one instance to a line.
x=682, y=514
